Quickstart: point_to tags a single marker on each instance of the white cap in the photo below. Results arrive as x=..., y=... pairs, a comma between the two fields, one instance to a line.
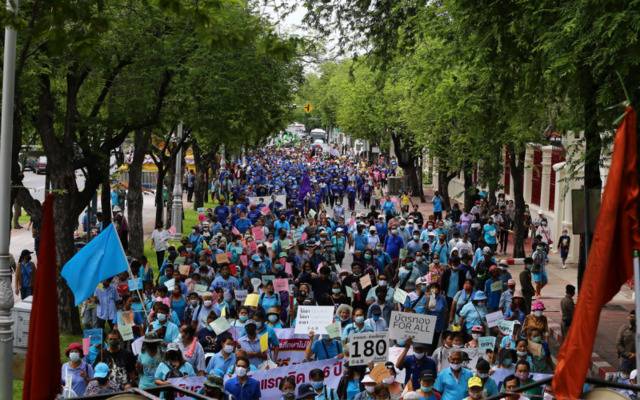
x=368, y=379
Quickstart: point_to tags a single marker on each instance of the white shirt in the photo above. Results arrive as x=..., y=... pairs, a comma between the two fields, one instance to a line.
x=160, y=239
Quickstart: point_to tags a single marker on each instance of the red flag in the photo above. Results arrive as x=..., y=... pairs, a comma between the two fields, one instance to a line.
x=610, y=262
x=42, y=370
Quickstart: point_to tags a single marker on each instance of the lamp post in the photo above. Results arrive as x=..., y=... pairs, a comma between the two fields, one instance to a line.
x=176, y=208
x=6, y=145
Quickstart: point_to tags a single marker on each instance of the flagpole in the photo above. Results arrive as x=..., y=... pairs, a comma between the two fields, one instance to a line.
x=6, y=149
x=636, y=288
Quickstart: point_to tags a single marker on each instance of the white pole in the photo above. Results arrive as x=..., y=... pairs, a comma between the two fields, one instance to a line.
x=6, y=147
x=636, y=288
x=176, y=208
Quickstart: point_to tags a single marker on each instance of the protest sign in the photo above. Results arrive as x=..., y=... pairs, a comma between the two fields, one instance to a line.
x=496, y=286
x=312, y=213
x=506, y=327
x=222, y=258
x=333, y=330
x=136, y=345
x=86, y=345
x=170, y=284
x=200, y=289
x=313, y=318
x=399, y=295
x=368, y=347
x=420, y=327
x=264, y=342
x=379, y=372
x=184, y=269
x=220, y=325
x=288, y=269
x=365, y=281
x=486, y=343
x=94, y=335
x=256, y=282
x=241, y=295
x=191, y=383
x=125, y=324
x=403, y=253
x=257, y=233
x=252, y=300
x=134, y=284
x=281, y=285
x=291, y=347
x=244, y=260
x=494, y=318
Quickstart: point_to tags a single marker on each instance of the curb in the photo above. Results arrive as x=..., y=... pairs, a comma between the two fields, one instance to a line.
x=599, y=367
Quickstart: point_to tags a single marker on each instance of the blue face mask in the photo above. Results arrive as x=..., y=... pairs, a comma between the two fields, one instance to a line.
x=317, y=385
x=359, y=319
x=425, y=388
x=376, y=317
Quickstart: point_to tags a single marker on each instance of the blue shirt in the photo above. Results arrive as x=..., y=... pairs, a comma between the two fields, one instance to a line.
x=171, y=333
x=218, y=362
x=490, y=234
x=250, y=390
x=107, y=303
x=437, y=204
x=163, y=369
x=415, y=367
x=227, y=284
x=243, y=224
x=78, y=384
x=450, y=387
x=324, y=350
x=393, y=245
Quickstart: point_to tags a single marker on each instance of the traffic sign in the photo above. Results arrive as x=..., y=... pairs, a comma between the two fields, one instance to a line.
x=307, y=108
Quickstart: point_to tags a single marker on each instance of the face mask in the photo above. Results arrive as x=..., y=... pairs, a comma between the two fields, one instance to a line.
x=521, y=353
x=228, y=348
x=416, y=238
x=359, y=319
x=483, y=375
x=394, y=231
x=418, y=259
x=241, y=371
x=336, y=290
x=537, y=313
x=455, y=366
x=243, y=318
x=382, y=283
x=389, y=380
x=425, y=389
x=369, y=388
x=457, y=346
x=258, y=324
x=537, y=339
x=475, y=335
x=207, y=303
x=317, y=385
x=162, y=317
x=273, y=318
x=376, y=317
x=74, y=356
x=418, y=355
x=367, y=256
x=523, y=376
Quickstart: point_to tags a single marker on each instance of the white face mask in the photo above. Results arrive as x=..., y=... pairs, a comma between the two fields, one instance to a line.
x=241, y=371
x=207, y=303
x=382, y=283
x=228, y=348
x=418, y=355
x=389, y=380
x=455, y=366
x=369, y=388
x=475, y=335
x=537, y=313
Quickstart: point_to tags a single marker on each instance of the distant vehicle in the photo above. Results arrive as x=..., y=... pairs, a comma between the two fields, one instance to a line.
x=29, y=164
x=318, y=134
x=318, y=142
x=41, y=165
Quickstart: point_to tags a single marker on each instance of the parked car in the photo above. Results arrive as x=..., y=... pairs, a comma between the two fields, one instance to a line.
x=29, y=163
x=41, y=165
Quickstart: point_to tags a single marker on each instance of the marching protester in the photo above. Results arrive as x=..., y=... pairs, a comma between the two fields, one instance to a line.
x=283, y=289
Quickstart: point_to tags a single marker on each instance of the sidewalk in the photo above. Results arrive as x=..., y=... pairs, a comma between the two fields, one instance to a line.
x=612, y=316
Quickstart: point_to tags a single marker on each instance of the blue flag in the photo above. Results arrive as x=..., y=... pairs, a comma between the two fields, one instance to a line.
x=100, y=259
x=305, y=187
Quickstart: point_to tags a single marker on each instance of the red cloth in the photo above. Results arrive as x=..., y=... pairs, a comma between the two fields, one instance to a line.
x=42, y=370
x=610, y=262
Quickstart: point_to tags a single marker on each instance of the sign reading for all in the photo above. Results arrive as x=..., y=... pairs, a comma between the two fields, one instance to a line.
x=417, y=326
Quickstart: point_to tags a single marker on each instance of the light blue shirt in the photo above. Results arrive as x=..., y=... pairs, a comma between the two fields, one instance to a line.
x=107, y=303
x=163, y=369
x=450, y=387
x=218, y=362
x=172, y=331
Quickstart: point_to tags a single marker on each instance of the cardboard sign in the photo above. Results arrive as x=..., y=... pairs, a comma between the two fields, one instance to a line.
x=496, y=286
x=222, y=258
x=313, y=318
x=200, y=289
x=252, y=300
x=312, y=213
x=281, y=285
x=241, y=295
x=184, y=270
x=368, y=347
x=420, y=327
x=379, y=372
x=333, y=330
x=170, y=284
x=399, y=296
x=534, y=348
x=486, y=343
x=365, y=281
x=257, y=233
x=494, y=318
x=220, y=325
x=134, y=284
x=506, y=327
x=136, y=346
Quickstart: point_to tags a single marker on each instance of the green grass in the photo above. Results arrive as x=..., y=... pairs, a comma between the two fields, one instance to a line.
x=64, y=342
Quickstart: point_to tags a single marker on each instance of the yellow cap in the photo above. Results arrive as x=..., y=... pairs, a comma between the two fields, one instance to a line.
x=474, y=382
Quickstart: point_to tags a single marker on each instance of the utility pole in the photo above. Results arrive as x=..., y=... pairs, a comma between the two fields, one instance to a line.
x=6, y=146
x=176, y=206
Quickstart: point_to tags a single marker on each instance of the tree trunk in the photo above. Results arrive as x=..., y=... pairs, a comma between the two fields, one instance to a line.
x=516, y=165
x=468, y=185
x=135, y=198
x=170, y=176
x=105, y=200
x=444, y=177
x=159, y=196
x=200, y=184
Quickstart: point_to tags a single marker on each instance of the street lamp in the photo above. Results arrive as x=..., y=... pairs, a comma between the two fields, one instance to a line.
x=6, y=145
x=176, y=207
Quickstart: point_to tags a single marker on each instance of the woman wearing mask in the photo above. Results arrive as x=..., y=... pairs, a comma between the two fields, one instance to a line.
x=343, y=315
x=522, y=351
x=178, y=302
x=506, y=365
x=540, y=359
x=273, y=318
x=101, y=383
x=416, y=301
x=148, y=360
x=268, y=298
x=476, y=333
x=225, y=359
x=25, y=275
x=337, y=295
x=350, y=384
x=461, y=298
x=489, y=386
x=516, y=311
x=436, y=306
x=173, y=366
x=357, y=326
x=536, y=320
x=369, y=386
x=243, y=316
x=191, y=349
x=523, y=372
x=288, y=388
x=76, y=373
x=473, y=313
x=390, y=382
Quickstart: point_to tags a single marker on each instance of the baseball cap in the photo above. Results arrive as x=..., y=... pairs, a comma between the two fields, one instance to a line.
x=101, y=370
x=474, y=382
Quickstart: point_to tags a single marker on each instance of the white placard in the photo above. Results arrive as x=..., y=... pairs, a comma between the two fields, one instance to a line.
x=368, y=347
x=486, y=343
x=241, y=294
x=494, y=318
x=267, y=200
x=420, y=327
x=313, y=318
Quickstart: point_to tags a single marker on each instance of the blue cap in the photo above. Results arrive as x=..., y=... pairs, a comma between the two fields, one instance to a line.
x=479, y=295
x=101, y=370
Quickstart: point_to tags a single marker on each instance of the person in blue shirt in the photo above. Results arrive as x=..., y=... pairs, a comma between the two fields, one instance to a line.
x=490, y=235
x=388, y=208
x=357, y=326
x=161, y=324
x=222, y=212
x=173, y=366
x=451, y=382
x=243, y=223
x=282, y=223
x=322, y=347
x=241, y=386
x=493, y=288
x=489, y=386
x=225, y=280
x=393, y=244
x=417, y=364
x=225, y=358
x=437, y=205
x=360, y=239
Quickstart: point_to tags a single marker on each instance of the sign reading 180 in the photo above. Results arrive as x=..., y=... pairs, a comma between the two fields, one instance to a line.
x=367, y=347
